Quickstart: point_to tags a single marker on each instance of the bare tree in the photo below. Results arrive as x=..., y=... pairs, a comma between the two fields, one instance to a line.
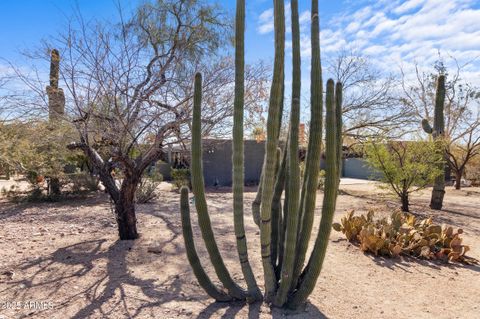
x=128, y=89
x=370, y=106
x=463, y=146
x=462, y=113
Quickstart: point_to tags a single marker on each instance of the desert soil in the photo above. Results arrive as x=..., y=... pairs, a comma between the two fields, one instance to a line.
x=63, y=260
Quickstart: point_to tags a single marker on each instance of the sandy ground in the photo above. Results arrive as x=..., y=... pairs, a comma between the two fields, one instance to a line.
x=63, y=260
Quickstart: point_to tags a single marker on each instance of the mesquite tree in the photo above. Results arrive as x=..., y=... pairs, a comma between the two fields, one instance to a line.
x=129, y=92
x=284, y=234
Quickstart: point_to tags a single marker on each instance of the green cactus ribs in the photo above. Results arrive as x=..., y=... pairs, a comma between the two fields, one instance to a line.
x=285, y=226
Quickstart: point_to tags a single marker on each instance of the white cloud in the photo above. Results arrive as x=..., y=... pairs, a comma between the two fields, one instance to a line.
x=407, y=6
x=266, y=21
x=395, y=32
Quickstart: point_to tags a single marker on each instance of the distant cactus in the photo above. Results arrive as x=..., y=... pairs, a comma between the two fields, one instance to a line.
x=438, y=133
x=284, y=234
x=56, y=97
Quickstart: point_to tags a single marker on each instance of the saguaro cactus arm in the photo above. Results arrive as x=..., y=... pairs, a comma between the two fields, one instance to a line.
x=427, y=127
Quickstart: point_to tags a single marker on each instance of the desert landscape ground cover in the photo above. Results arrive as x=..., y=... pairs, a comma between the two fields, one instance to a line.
x=204, y=159
x=69, y=254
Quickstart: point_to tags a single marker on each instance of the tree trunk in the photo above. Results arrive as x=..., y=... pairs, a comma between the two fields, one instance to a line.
x=405, y=202
x=458, y=179
x=125, y=211
x=54, y=186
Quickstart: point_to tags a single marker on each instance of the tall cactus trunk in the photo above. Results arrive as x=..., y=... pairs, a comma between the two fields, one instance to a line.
x=312, y=164
x=288, y=264
x=310, y=275
x=198, y=187
x=277, y=220
x=56, y=97
x=270, y=151
x=338, y=117
x=438, y=134
x=56, y=108
x=254, y=292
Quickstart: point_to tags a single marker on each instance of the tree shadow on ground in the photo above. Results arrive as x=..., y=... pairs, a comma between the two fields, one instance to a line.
x=9, y=209
x=111, y=292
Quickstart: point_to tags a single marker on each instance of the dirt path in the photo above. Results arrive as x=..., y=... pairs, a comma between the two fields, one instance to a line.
x=62, y=260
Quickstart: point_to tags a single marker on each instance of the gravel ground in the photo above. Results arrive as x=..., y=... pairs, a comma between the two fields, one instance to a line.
x=63, y=260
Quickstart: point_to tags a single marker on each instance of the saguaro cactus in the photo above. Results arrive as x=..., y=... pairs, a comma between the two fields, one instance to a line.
x=56, y=97
x=284, y=234
x=438, y=134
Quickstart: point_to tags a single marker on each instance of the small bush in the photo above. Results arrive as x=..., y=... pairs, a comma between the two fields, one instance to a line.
x=321, y=176
x=83, y=181
x=11, y=192
x=146, y=190
x=180, y=177
x=404, y=234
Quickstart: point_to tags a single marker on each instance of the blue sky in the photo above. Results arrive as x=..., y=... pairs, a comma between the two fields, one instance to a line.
x=393, y=33
x=30, y=21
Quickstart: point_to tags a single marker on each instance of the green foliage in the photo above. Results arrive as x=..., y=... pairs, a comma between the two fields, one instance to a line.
x=83, y=182
x=203, y=30
x=404, y=234
x=321, y=176
x=180, y=177
x=406, y=167
x=146, y=190
x=38, y=151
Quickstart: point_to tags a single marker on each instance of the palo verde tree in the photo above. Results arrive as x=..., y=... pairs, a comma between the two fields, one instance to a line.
x=284, y=234
x=405, y=166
